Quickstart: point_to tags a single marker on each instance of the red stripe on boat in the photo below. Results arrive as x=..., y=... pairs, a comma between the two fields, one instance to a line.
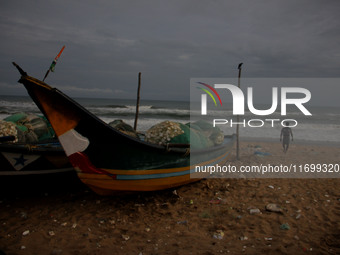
x=82, y=162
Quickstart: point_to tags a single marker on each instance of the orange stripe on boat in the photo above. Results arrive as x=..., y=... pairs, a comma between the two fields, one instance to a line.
x=107, y=186
x=61, y=122
x=61, y=118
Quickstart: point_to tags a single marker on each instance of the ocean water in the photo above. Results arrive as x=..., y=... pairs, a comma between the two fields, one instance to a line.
x=322, y=126
x=151, y=112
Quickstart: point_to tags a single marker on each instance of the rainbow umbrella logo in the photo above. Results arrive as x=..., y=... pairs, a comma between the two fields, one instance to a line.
x=209, y=93
x=204, y=97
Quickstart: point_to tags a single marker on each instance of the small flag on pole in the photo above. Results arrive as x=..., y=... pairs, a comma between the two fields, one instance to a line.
x=52, y=67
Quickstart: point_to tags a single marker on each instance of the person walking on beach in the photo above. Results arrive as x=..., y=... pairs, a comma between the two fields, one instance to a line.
x=286, y=132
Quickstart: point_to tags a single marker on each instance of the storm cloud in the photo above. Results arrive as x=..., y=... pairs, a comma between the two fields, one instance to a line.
x=109, y=42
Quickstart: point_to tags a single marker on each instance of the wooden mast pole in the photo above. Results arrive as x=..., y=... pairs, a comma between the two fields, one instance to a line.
x=138, y=98
x=238, y=117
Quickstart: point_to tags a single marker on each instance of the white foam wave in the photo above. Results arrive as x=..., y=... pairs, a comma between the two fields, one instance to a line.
x=15, y=106
x=129, y=110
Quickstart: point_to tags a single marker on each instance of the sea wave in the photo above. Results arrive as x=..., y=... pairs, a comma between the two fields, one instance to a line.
x=323, y=125
x=147, y=110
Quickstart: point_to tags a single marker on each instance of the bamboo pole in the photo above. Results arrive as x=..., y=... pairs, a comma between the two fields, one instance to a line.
x=138, y=98
x=238, y=117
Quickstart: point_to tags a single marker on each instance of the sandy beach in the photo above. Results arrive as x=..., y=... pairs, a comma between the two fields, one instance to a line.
x=59, y=215
x=131, y=89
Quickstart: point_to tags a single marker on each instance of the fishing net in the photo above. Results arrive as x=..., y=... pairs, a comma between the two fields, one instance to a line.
x=29, y=128
x=124, y=128
x=8, y=129
x=198, y=134
x=214, y=134
x=162, y=133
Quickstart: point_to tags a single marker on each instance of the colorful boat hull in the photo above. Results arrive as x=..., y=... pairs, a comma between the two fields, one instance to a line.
x=108, y=160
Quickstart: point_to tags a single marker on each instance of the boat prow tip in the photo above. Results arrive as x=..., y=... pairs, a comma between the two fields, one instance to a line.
x=22, y=72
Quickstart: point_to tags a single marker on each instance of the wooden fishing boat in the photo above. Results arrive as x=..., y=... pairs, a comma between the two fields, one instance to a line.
x=45, y=157
x=108, y=160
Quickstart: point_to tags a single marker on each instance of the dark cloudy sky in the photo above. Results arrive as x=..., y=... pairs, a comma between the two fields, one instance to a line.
x=109, y=42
